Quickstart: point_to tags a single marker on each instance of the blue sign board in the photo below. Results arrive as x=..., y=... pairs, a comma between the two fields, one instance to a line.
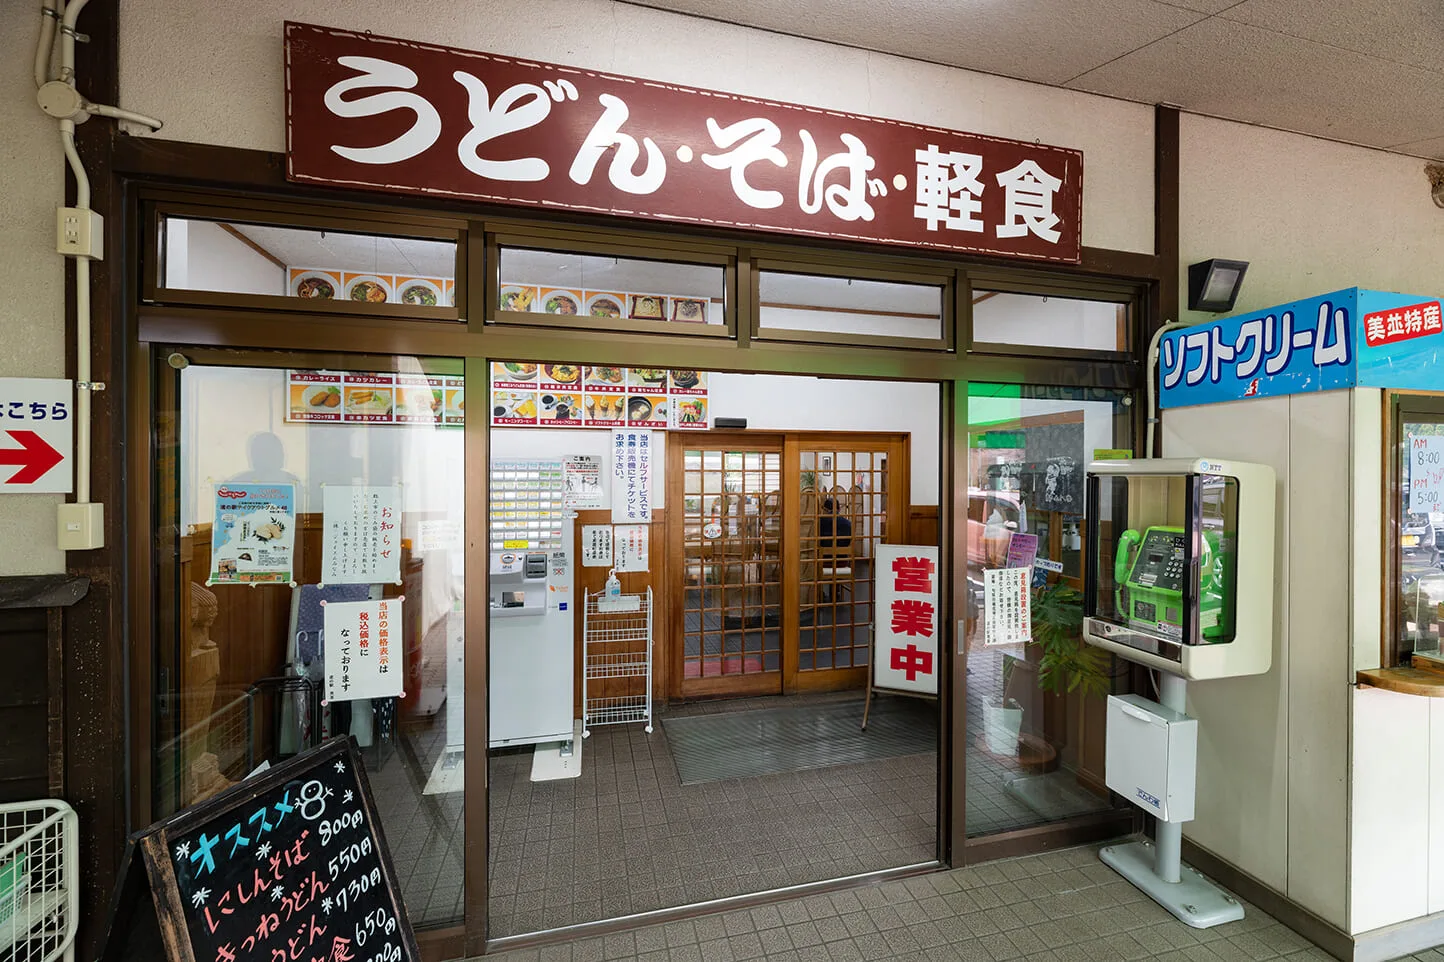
x=1341, y=340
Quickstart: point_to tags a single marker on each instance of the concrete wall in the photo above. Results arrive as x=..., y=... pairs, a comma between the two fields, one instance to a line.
x=32, y=311
x=1308, y=215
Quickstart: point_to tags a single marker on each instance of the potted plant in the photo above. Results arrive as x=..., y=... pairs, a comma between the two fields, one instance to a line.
x=1065, y=663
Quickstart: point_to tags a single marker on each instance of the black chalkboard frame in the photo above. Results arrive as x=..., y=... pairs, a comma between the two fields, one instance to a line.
x=153, y=846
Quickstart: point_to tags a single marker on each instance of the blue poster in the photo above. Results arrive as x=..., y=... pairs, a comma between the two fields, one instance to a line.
x=1307, y=345
x=253, y=535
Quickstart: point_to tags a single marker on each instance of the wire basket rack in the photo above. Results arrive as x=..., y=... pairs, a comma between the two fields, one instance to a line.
x=39, y=890
x=617, y=661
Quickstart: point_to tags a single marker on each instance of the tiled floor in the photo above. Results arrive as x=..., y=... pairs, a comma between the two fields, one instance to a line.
x=627, y=836
x=1061, y=906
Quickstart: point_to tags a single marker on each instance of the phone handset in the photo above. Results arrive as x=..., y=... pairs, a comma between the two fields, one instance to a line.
x=1123, y=556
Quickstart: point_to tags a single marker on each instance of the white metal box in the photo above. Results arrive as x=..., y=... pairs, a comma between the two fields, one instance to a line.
x=1152, y=755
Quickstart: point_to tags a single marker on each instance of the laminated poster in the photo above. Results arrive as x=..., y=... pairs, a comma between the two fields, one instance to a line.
x=253, y=535
x=631, y=477
x=361, y=535
x=361, y=661
x=583, y=478
x=1426, y=473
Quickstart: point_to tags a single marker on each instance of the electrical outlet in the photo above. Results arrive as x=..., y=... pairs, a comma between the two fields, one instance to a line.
x=79, y=232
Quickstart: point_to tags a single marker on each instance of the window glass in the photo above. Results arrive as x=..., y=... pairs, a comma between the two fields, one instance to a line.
x=1419, y=515
x=366, y=269
x=283, y=512
x=851, y=306
x=562, y=283
x=1046, y=321
x=1035, y=692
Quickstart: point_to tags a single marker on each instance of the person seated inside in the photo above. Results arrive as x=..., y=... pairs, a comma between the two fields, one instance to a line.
x=833, y=532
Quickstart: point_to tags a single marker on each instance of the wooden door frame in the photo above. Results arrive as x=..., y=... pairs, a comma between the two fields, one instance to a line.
x=760, y=683
x=897, y=445
x=788, y=679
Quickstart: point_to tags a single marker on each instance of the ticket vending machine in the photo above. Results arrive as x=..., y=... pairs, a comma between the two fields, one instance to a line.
x=1180, y=579
x=531, y=647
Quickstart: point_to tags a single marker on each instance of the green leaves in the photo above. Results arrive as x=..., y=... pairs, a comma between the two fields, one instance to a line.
x=1066, y=663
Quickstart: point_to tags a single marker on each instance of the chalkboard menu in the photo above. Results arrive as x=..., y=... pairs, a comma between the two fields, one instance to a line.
x=290, y=863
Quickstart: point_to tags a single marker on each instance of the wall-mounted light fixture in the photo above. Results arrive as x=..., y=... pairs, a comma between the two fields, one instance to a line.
x=1213, y=284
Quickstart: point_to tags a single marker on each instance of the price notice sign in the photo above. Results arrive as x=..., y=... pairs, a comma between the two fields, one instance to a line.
x=290, y=863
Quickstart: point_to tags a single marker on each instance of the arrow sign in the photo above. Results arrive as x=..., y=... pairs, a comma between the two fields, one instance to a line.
x=35, y=457
x=37, y=435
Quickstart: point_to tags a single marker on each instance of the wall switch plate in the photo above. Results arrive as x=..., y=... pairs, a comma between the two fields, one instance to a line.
x=81, y=527
x=79, y=232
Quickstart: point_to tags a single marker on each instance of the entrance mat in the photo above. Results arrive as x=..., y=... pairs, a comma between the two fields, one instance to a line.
x=1054, y=795
x=773, y=741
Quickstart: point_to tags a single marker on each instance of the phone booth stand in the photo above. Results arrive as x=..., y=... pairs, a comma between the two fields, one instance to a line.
x=1180, y=580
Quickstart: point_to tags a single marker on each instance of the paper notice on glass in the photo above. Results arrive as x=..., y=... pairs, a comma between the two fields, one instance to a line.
x=361, y=661
x=441, y=534
x=584, y=482
x=596, y=546
x=631, y=476
x=253, y=534
x=630, y=546
x=361, y=534
x=1007, y=619
x=1426, y=473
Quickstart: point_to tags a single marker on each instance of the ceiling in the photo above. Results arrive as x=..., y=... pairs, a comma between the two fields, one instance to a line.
x=1367, y=72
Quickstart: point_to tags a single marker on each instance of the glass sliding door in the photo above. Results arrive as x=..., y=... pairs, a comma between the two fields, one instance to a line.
x=283, y=489
x=1036, y=697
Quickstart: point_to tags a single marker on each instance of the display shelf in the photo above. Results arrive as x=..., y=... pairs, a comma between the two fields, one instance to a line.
x=620, y=664
x=617, y=654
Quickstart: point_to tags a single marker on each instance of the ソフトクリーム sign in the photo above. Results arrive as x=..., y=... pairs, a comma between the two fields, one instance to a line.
x=369, y=111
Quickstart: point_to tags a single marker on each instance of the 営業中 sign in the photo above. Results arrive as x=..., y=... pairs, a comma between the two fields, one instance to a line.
x=37, y=435
x=905, y=640
x=370, y=111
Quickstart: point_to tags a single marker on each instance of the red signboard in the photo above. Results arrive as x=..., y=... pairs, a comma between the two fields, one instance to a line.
x=374, y=112
x=1402, y=323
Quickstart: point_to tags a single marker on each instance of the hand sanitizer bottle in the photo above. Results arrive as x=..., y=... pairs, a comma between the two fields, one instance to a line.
x=614, y=587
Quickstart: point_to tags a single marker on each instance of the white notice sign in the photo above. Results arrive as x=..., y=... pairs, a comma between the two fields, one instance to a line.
x=905, y=641
x=1426, y=473
x=596, y=546
x=630, y=546
x=37, y=435
x=631, y=476
x=583, y=473
x=361, y=661
x=361, y=535
x=1007, y=618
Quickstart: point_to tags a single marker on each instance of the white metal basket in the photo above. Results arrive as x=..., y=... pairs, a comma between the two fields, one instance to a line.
x=39, y=894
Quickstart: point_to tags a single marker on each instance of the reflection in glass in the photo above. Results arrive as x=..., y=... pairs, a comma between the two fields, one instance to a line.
x=1048, y=321
x=842, y=305
x=1035, y=708
x=1420, y=582
x=241, y=668
x=329, y=265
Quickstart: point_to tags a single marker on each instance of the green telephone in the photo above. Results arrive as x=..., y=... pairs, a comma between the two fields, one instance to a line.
x=1149, y=572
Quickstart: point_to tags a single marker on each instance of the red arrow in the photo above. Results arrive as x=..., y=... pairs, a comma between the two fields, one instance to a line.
x=35, y=457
